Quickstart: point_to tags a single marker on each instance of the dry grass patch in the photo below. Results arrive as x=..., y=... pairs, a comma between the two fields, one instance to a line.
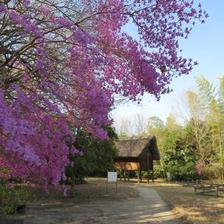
x=97, y=188
x=94, y=189
x=197, y=209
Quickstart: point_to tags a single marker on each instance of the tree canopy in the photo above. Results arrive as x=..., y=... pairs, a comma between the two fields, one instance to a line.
x=62, y=62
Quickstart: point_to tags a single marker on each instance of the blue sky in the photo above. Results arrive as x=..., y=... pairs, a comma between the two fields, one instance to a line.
x=205, y=45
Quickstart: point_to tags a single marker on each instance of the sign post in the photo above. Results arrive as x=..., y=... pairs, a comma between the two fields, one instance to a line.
x=112, y=178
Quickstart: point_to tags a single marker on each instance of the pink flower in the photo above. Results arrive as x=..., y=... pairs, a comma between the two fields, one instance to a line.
x=73, y=63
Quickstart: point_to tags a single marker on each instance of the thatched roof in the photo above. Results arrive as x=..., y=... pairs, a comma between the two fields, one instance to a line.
x=138, y=147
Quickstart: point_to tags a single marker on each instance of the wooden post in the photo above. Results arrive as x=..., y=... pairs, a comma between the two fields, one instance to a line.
x=124, y=176
x=128, y=175
x=139, y=176
x=148, y=173
x=152, y=175
x=148, y=156
x=107, y=186
x=152, y=171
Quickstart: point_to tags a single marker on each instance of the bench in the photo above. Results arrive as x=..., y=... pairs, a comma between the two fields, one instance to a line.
x=220, y=188
x=209, y=188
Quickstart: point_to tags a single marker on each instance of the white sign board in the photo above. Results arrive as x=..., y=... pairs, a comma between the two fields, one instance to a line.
x=112, y=176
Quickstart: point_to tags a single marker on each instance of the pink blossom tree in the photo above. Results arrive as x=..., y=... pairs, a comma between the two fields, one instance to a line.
x=62, y=63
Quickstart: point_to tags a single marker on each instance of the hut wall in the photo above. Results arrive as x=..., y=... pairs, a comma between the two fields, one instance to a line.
x=146, y=163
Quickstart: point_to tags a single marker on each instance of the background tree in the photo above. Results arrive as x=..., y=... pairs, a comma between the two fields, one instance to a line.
x=156, y=127
x=96, y=157
x=199, y=139
x=212, y=99
x=139, y=124
x=197, y=123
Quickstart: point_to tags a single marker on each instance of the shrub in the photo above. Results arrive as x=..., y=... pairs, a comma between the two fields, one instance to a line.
x=13, y=197
x=159, y=171
x=213, y=171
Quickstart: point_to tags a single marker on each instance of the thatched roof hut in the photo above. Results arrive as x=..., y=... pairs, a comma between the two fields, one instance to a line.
x=136, y=154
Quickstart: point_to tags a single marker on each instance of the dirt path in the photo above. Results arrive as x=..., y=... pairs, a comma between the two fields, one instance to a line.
x=147, y=208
